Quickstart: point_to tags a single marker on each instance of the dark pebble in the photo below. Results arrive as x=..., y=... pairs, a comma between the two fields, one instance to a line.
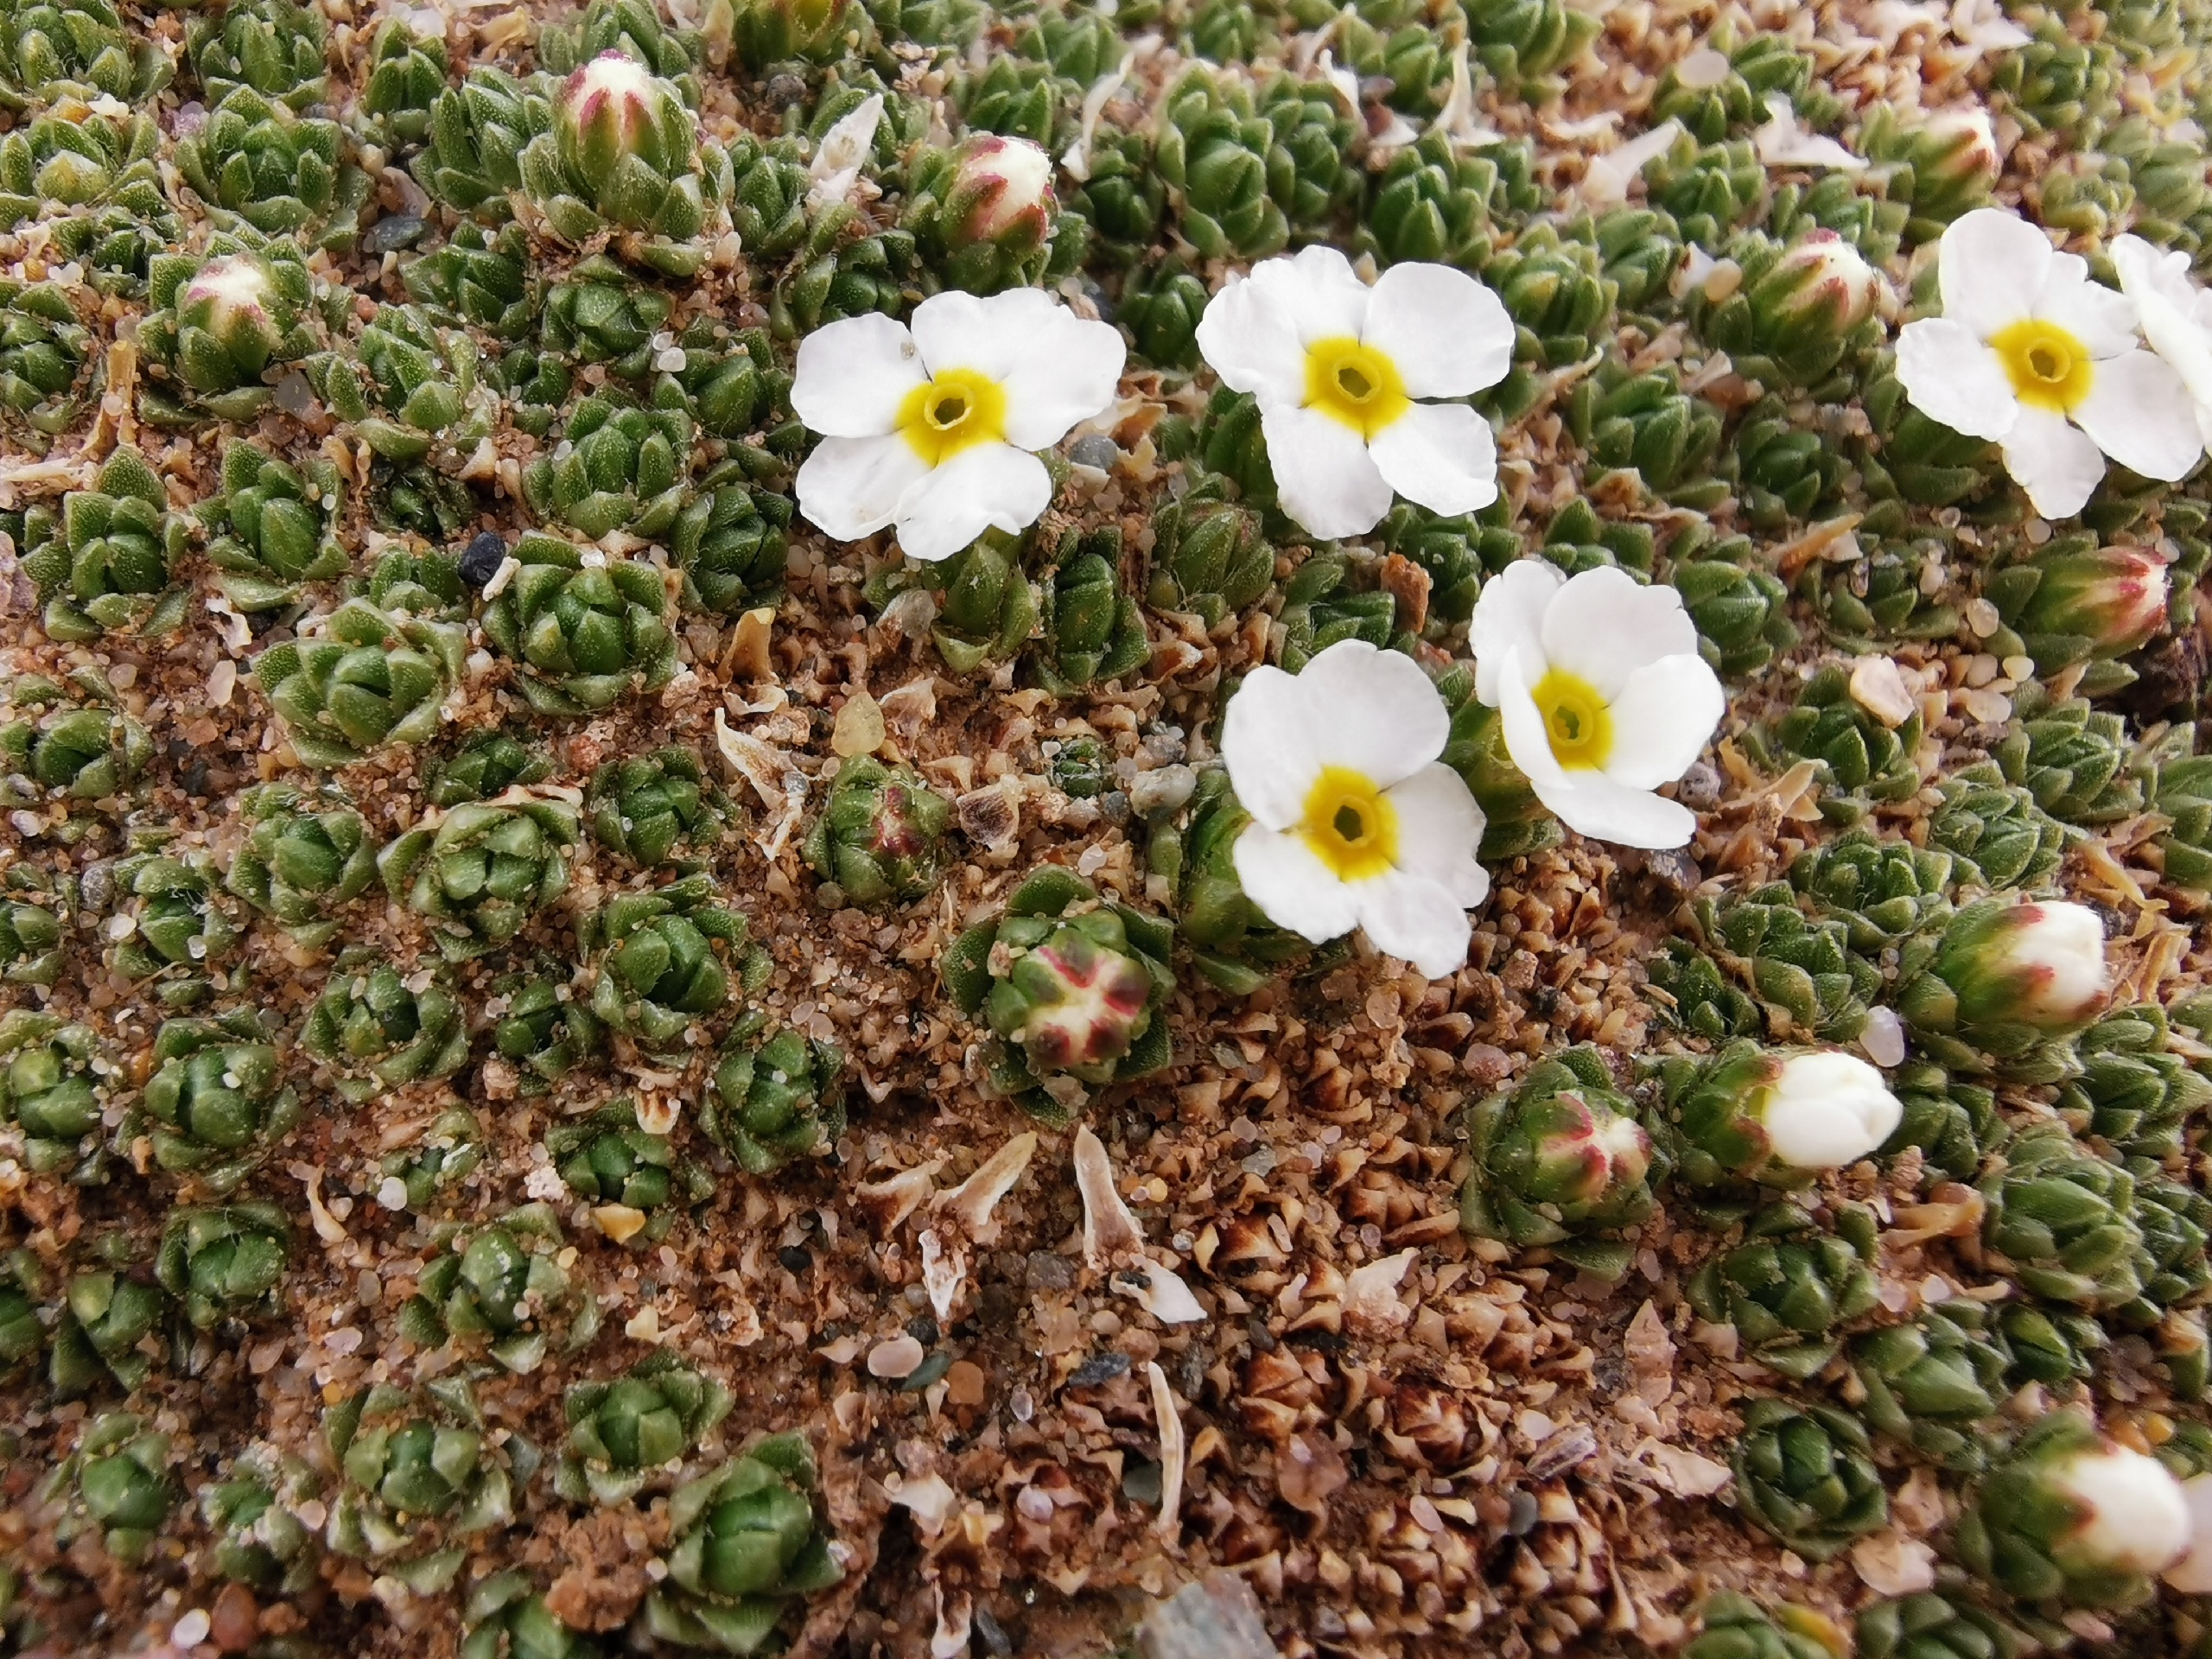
x=1263, y=1340
x=1116, y=805
x=922, y=1329
x=1048, y=1271
x=796, y=1258
x=986, y=1625
x=784, y=90
x=391, y=233
x=1099, y=1368
x=1520, y=1513
x=481, y=559
x=1096, y=449
x=996, y=1306
x=1140, y=1483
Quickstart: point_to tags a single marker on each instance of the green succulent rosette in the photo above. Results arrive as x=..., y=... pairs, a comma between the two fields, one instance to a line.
x=420, y=1475
x=2133, y=1090
x=407, y=385
x=404, y=75
x=1932, y=1384
x=582, y=634
x=1788, y=1297
x=1560, y=1161
x=1736, y=1627
x=1209, y=556
x=1645, y=423
x=1953, y=1123
x=645, y=807
x=1801, y=971
x=218, y=1102
x=90, y=179
x=775, y=1100
x=1073, y=989
x=765, y=32
x=88, y=754
x=107, y=1313
x=626, y=1431
x=1861, y=760
x=166, y=927
x=479, y=873
x=986, y=606
x=661, y=960
x=1882, y=891
x=2065, y=1221
x=273, y=529
x=366, y=678
x=115, y=1483
x=635, y=1180
x=1996, y=836
x=619, y=467
x=44, y=348
x=1740, y=609
x=257, y=1536
x=225, y=1263
x=31, y=940
x=502, y=1286
x=1940, y=168
x=484, y=766
x=441, y=1157
x=379, y=1030
x=54, y=1086
x=479, y=130
x=307, y=855
x=543, y=1028
x=2032, y=1527
x=749, y=1546
x=506, y=1618
x=105, y=564
x=622, y=153
x=256, y=163
x=880, y=834
x=51, y=50
x=1216, y=152
x=1324, y=603
x=1093, y=629
x=1806, y=1477
x=1941, y=1625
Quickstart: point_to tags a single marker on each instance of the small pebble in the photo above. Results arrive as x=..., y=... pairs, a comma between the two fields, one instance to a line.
x=1095, y=449
x=1099, y=1368
x=1162, y=790
x=482, y=557
x=1049, y=1271
x=899, y=1357
x=192, y=1629
x=964, y=1383
x=994, y=1634
x=796, y=1258
x=391, y=233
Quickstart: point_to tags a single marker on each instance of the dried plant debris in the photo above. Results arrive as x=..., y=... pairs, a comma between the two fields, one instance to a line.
x=775, y=879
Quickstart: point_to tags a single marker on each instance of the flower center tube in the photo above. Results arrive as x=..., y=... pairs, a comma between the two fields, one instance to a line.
x=957, y=410
x=2050, y=369
x=1354, y=384
x=1350, y=825
x=1576, y=719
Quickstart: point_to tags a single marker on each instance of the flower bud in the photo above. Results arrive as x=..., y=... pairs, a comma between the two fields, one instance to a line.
x=2192, y=1574
x=2042, y=965
x=605, y=110
x=1822, y=284
x=229, y=298
x=1072, y=1002
x=1828, y=1109
x=2110, y=598
x=1575, y=1152
x=1959, y=145
x=2130, y=1513
x=1777, y=1117
x=1001, y=193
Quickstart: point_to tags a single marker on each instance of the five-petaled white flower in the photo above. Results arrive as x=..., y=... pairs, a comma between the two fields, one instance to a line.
x=1338, y=366
x=2176, y=315
x=933, y=428
x=1356, y=822
x=1601, y=693
x=2031, y=352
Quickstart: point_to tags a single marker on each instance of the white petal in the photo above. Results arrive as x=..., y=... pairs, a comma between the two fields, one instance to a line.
x=1324, y=477
x=1447, y=333
x=1254, y=333
x=1511, y=613
x=853, y=374
x=1439, y=832
x=1593, y=804
x=1991, y=267
x=2139, y=412
x=1951, y=376
x=1663, y=719
x=2183, y=342
x=991, y=486
x=1527, y=739
x=1371, y=710
x=850, y=487
x=2100, y=318
x=1606, y=625
x=1411, y=916
x=1057, y=368
x=1267, y=742
x=1292, y=887
x=1441, y=456
x=2055, y=461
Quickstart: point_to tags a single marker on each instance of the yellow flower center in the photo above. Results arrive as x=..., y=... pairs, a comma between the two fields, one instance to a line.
x=958, y=410
x=1355, y=384
x=1576, y=719
x=1350, y=824
x=2050, y=368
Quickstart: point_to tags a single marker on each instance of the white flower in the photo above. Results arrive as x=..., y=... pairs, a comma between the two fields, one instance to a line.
x=2031, y=353
x=2136, y=1519
x=933, y=429
x=1356, y=822
x=1830, y=1108
x=2176, y=315
x=1601, y=693
x=1338, y=368
x=2192, y=1574
x=2055, y=950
